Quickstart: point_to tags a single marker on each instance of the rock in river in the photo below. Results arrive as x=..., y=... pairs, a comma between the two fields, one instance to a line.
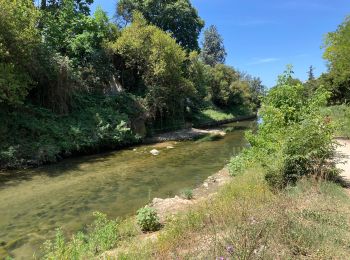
x=155, y=152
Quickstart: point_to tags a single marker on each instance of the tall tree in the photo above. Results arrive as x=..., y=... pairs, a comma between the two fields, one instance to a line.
x=81, y=6
x=154, y=58
x=178, y=17
x=310, y=73
x=213, y=51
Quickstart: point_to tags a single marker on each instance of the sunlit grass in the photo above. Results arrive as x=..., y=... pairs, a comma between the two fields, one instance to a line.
x=246, y=220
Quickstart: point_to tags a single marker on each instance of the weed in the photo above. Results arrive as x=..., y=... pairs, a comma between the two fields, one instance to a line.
x=147, y=219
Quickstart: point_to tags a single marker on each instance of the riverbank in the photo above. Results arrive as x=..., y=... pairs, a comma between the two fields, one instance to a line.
x=31, y=137
x=310, y=220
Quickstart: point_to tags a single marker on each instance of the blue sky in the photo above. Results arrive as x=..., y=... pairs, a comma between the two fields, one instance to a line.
x=261, y=37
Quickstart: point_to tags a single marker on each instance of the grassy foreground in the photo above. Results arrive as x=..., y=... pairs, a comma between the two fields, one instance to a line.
x=246, y=220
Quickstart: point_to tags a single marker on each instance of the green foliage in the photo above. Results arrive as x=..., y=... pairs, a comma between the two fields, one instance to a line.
x=102, y=235
x=187, y=194
x=198, y=75
x=14, y=84
x=81, y=38
x=160, y=78
x=213, y=50
x=178, y=17
x=294, y=139
x=227, y=89
x=337, y=46
x=147, y=219
x=18, y=40
x=340, y=115
x=41, y=136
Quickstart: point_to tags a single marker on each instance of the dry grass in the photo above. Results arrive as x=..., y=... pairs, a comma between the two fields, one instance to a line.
x=246, y=220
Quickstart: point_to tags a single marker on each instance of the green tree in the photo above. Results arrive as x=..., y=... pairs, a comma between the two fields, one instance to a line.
x=199, y=75
x=213, y=50
x=256, y=88
x=18, y=40
x=178, y=17
x=310, y=73
x=74, y=41
x=80, y=6
x=337, y=46
x=226, y=88
x=155, y=60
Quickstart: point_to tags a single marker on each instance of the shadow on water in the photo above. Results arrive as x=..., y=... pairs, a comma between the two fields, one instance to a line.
x=34, y=202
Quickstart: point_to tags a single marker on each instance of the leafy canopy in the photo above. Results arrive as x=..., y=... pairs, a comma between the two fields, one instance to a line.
x=18, y=39
x=178, y=17
x=156, y=57
x=337, y=53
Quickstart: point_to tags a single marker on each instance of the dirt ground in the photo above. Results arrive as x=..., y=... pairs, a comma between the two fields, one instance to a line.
x=344, y=161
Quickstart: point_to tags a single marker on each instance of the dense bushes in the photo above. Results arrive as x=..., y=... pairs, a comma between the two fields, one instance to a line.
x=294, y=139
x=32, y=135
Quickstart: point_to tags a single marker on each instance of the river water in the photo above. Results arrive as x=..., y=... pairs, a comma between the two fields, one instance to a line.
x=33, y=203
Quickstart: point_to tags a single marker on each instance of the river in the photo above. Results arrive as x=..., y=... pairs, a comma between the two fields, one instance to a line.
x=33, y=203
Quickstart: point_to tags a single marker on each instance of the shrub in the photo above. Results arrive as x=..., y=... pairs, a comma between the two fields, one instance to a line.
x=147, y=219
x=294, y=139
x=187, y=194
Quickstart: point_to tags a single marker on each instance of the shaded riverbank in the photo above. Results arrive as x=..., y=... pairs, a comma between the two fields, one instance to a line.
x=118, y=183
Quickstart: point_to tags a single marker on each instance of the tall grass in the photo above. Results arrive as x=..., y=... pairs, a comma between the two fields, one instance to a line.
x=246, y=220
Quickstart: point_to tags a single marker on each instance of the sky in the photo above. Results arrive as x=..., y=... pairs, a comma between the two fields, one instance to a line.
x=262, y=37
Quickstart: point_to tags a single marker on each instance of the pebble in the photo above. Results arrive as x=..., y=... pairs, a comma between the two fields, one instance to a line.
x=155, y=152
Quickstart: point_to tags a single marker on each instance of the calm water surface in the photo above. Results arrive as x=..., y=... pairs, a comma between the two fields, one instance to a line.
x=35, y=202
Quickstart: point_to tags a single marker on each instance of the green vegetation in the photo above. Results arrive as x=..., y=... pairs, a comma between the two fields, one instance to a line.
x=147, y=219
x=340, y=115
x=102, y=235
x=294, y=139
x=213, y=51
x=178, y=17
x=41, y=136
x=83, y=83
x=187, y=194
x=337, y=46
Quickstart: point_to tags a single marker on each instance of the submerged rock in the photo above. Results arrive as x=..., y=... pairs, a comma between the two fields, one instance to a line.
x=155, y=152
x=170, y=147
